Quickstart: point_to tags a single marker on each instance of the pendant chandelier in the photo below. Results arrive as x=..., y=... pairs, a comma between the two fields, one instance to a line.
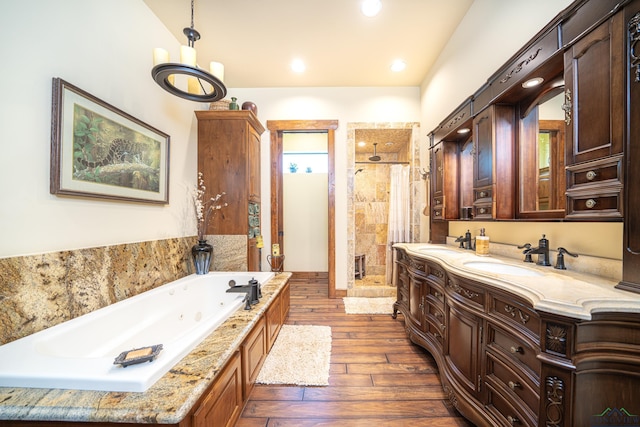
x=201, y=85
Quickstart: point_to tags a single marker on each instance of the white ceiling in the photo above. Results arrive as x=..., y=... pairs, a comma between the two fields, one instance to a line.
x=256, y=40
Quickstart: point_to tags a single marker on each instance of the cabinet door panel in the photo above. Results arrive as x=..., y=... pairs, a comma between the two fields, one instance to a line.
x=594, y=86
x=463, y=348
x=223, y=405
x=483, y=166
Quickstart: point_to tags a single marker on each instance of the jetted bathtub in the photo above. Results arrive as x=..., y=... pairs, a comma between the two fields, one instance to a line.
x=80, y=353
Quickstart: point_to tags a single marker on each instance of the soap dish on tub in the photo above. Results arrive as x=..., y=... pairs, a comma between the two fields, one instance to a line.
x=138, y=355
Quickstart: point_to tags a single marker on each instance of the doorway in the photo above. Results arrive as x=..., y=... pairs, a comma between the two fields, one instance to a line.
x=368, y=197
x=278, y=128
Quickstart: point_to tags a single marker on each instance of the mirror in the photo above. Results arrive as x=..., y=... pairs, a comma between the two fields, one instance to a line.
x=541, y=156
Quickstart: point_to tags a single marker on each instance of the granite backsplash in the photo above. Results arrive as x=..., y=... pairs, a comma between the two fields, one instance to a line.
x=40, y=291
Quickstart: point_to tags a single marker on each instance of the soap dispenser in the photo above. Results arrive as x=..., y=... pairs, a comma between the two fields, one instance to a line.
x=482, y=244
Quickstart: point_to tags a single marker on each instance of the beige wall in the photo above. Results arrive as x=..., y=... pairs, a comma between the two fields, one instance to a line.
x=105, y=49
x=491, y=32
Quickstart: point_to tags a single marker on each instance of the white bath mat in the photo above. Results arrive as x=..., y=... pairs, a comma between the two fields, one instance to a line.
x=300, y=356
x=361, y=305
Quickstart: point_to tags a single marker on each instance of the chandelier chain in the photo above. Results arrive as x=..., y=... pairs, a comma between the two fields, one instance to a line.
x=192, y=14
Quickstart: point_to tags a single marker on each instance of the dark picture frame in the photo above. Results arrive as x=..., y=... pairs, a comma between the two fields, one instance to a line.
x=99, y=151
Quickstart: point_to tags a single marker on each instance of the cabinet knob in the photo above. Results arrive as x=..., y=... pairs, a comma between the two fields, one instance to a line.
x=590, y=203
x=482, y=194
x=514, y=385
x=591, y=175
x=513, y=420
x=437, y=294
x=482, y=210
x=515, y=349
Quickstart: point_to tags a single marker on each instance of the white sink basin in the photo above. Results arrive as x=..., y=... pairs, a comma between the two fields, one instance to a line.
x=436, y=250
x=499, y=268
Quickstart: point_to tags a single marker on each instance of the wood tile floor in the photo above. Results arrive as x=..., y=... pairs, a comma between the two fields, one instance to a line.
x=377, y=378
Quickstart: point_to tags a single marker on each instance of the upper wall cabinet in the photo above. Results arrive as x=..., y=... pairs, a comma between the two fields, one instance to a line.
x=493, y=166
x=595, y=105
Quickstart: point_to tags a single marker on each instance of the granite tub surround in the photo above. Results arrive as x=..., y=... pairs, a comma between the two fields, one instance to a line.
x=39, y=291
x=168, y=401
x=564, y=292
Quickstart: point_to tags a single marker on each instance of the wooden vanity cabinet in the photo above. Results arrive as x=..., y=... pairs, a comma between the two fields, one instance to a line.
x=595, y=116
x=229, y=160
x=504, y=363
x=494, y=163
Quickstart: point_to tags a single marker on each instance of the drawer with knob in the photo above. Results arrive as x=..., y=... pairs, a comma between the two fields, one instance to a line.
x=507, y=310
x=607, y=171
x=483, y=211
x=605, y=202
x=504, y=376
x=435, y=273
x=508, y=411
x=483, y=195
x=513, y=348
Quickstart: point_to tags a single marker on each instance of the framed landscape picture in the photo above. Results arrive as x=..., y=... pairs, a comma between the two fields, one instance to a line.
x=100, y=151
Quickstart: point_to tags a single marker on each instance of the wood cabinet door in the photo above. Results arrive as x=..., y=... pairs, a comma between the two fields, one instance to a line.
x=483, y=145
x=416, y=301
x=253, y=166
x=437, y=170
x=254, y=352
x=223, y=405
x=463, y=348
x=594, y=93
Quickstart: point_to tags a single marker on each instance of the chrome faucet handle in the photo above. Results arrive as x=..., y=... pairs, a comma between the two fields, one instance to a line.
x=526, y=252
x=560, y=258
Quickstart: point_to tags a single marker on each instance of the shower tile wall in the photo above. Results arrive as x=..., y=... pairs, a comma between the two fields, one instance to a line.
x=371, y=204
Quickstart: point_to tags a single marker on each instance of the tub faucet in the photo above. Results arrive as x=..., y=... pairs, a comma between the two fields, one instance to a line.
x=542, y=251
x=252, y=290
x=465, y=242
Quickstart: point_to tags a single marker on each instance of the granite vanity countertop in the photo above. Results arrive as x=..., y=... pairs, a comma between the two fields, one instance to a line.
x=168, y=401
x=563, y=292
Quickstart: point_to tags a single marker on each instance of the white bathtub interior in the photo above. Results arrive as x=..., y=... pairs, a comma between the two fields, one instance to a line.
x=79, y=353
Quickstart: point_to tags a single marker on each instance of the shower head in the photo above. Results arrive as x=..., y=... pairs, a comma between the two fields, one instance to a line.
x=375, y=157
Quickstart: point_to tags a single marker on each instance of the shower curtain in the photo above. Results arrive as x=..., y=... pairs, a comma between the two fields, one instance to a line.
x=399, y=225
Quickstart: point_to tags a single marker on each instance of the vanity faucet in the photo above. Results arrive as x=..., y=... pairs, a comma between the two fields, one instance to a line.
x=560, y=258
x=527, y=254
x=542, y=251
x=465, y=242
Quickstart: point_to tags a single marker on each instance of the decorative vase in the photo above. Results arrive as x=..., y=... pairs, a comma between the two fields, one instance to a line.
x=248, y=105
x=234, y=104
x=202, y=253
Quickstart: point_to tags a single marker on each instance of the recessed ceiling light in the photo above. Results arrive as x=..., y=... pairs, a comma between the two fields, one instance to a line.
x=398, y=65
x=464, y=130
x=297, y=65
x=371, y=8
x=361, y=144
x=532, y=82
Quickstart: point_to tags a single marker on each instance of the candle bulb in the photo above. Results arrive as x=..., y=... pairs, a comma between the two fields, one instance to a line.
x=160, y=56
x=217, y=69
x=188, y=56
x=193, y=86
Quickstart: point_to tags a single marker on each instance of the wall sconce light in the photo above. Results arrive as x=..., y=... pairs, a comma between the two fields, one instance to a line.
x=202, y=86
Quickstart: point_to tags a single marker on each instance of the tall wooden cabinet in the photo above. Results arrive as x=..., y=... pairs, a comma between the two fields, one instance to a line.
x=229, y=159
x=594, y=114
